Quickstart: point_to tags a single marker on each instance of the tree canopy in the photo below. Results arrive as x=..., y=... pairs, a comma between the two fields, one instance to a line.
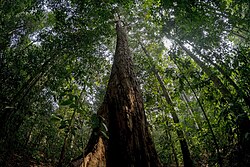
x=191, y=58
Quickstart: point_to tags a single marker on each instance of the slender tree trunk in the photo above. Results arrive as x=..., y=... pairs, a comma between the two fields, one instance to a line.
x=65, y=141
x=206, y=118
x=190, y=109
x=62, y=154
x=129, y=143
x=242, y=120
x=217, y=82
x=169, y=137
x=184, y=146
x=7, y=111
x=29, y=136
x=173, y=150
x=71, y=123
x=240, y=92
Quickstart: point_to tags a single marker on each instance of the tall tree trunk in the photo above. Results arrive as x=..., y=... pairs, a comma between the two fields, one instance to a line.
x=172, y=143
x=220, y=162
x=239, y=91
x=65, y=141
x=242, y=120
x=173, y=149
x=184, y=146
x=209, y=125
x=129, y=143
x=190, y=109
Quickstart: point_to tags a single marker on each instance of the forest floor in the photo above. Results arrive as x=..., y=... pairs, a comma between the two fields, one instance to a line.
x=22, y=159
x=14, y=159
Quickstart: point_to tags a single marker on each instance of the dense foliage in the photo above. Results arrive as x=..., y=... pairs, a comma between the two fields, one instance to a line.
x=191, y=57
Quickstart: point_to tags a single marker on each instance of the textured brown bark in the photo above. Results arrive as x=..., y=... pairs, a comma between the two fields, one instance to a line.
x=129, y=143
x=95, y=152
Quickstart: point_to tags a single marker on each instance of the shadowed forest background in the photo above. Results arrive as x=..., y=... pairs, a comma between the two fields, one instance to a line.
x=189, y=58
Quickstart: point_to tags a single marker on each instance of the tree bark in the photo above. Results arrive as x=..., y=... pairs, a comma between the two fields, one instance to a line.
x=129, y=143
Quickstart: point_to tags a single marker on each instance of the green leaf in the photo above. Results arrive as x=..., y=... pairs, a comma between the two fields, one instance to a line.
x=64, y=124
x=55, y=118
x=105, y=127
x=95, y=121
x=247, y=135
x=105, y=134
x=66, y=102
